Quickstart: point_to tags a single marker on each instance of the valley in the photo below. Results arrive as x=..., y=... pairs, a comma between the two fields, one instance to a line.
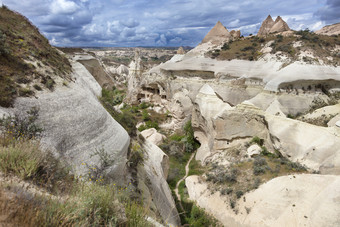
x=238, y=131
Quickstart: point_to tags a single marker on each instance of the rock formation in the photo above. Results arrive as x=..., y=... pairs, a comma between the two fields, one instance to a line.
x=269, y=26
x=217, y=34
x=76, y=124
x=180, y=50
x=333, y=29
x=283, y=201
x=156, y=167
x=235, y=34
x=279, y=26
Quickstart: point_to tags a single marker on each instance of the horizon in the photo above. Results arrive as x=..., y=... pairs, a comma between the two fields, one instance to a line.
x=173, y=23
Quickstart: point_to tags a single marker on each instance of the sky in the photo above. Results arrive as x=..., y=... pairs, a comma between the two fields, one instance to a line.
x=85, y=23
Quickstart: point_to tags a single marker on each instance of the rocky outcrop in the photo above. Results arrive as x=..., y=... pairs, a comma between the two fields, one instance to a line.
x=180, y=50
x=156, y=165
x=314, y=146
x=76, y=124
x=333, y=29
x=279, y=26
x=217, y=34
x=283, y=201
x=98, y=72
x=269, y=26
x=235, y=34
x=153, y=136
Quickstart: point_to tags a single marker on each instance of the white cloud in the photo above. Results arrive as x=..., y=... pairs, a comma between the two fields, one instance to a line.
x=63, y=7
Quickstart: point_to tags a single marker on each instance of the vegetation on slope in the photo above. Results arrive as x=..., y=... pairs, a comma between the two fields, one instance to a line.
x=23, y=51
x=249, y=48
x=244, y=175
x=70, y=201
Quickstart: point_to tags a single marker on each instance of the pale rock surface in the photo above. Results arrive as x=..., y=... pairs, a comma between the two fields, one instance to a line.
x=316, y=147
x=335, y=121
x=327, y=111
x=153, y=136
x=156, y=164
x=337, y=124
x=279, y=26
x=207, y=106
x=333, y=29
x=275, y=108
x=76, y=124
x=267, y=24
x=217, y=34
x=254, y=150
x=299, y=200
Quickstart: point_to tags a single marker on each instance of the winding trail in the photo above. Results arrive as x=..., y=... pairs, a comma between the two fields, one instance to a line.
x=182, y=179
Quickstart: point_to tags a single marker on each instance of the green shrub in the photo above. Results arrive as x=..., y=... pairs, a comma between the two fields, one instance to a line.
x=191, y=144
x=198, y=217
x=257, y=140
x=239, y=194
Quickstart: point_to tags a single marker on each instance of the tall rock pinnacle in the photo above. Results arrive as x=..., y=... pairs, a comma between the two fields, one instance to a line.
x=217, y=34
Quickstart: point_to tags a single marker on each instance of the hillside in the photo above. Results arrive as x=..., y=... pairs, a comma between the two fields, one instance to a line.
x=27, y=61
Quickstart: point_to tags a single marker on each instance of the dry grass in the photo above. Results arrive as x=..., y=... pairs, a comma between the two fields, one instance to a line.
x=20, y=41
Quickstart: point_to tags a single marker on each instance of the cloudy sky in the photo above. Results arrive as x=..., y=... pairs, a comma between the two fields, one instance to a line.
x=163, y=22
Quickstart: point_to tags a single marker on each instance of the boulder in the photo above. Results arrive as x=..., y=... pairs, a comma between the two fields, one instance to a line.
x=153, y=136
x=254, y=150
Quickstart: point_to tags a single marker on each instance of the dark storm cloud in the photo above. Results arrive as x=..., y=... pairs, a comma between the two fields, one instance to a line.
x=158, y=22
x=330, y=12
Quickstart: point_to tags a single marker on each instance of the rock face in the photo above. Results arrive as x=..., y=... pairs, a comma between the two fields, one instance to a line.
x=283, y=201
x=279, y=26
x=269, y=26
x=333, y=29
x=76, y=124
x=217, y=34
x=156, y=167
x=97, y=71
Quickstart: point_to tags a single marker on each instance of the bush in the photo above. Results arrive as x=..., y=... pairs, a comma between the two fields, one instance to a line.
x=257, y=140
x=260, y=166
x=199, y=218
x=191, y=144
x=239, y=194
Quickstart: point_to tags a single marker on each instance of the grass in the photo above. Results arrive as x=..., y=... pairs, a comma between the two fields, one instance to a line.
x=249, y=48
x=20, y=41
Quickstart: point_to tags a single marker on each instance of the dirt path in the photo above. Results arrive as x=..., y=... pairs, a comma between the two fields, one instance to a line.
x=182, y=179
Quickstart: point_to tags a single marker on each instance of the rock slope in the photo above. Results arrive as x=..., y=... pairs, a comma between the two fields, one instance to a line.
x=76, y=124
x=333, y=29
